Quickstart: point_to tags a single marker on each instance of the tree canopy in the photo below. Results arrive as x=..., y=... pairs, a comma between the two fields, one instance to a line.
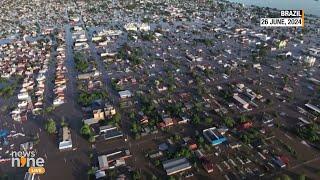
x=50, y=126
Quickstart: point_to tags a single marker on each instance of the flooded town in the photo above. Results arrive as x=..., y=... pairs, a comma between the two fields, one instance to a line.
x=166, y=89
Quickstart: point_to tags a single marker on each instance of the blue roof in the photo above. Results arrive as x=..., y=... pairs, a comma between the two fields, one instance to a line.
x=4, y=133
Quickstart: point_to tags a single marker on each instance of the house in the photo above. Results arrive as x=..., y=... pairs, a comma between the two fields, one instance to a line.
x=244, y=104
x=23, y=96
x=156, y=155
x=234, y=145
x=278, y=161
x=282, y=44
x=257, y=66
x=144, y=27
x=166, y=122
x=65, y=141
x=176, y=165
x=314, y=52
x=98, y=114
x=111, y=132
x=183, y=120
x=113, y=159
x=104, y=129
x=144, y=120
x=313, y=107
x=85, y=76
x=131, y=27
x=245, y=125
x=90, y=121
x=103, y=162
x=100, y=174
x=163, y=146
x=309, y=61
x=109, y=110
x=125, y=94
x=207, y=164
x=162, y=88
x=213, y=136
x=190, y=143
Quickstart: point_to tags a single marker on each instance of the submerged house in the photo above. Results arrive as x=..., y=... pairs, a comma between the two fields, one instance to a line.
x=213, y=136
x=65, y=141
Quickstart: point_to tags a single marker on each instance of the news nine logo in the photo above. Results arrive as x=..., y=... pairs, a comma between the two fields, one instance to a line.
x=28, y=159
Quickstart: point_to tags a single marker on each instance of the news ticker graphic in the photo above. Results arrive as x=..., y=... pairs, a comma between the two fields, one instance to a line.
x=288, y=18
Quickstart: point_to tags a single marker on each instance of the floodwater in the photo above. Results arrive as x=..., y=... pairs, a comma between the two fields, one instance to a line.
x=309, y=6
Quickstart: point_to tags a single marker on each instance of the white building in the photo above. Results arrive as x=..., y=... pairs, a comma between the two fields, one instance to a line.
x=244, y=104
x=125, y=94
x=66, y=141
x=310, y=61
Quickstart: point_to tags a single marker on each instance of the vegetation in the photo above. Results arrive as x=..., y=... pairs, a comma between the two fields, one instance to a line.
x=49, y=109
x=148, y=107
x=285, y=177
x=115, y=85
x=135, y=129
x=243, y=119
x=229, y=122
x=184, y=152
x=50, y=126
x=86, y=131
x=309, y=132
x=136, y=175
x=116, y=119
x=86, y=98
x=250, y=136
x=7, y=91
x=288, y=148
x=6, y=88
x=175, y=109
x=133, y=56
x=208, y=120
x=81, y=63
x=207, y=42
x=195, y=119
x=302, y=177
x=147, y=36
x=92, y=170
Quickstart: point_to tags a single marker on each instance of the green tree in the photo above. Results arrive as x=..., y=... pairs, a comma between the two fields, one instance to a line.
x=92, y=139
x=157, y=162
x=50, y=126
x=195, y=119
x=208, y=120
x=85, y=130
x=245, y=139
x=229, y=122
x=92, y=170
x=302, y=177
x=185, y=152
x=134, y=128
x=243, y=119
x=136, y=175
x=116, y=118
x=132, y=115
x=286, y=177
x=154, y=177
x=201, y=140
